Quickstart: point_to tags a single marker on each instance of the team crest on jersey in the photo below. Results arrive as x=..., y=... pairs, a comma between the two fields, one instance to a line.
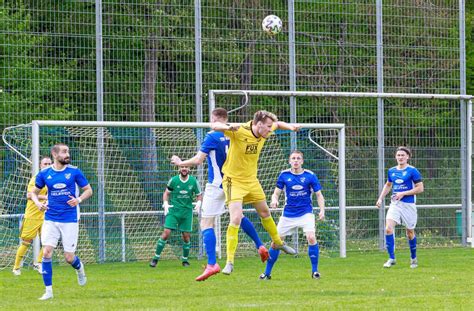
x=302, y=179
x=251, y=149
x=68, y=175
x=404, y=173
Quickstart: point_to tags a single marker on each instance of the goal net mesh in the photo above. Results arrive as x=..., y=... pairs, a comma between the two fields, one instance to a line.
x=135, y=169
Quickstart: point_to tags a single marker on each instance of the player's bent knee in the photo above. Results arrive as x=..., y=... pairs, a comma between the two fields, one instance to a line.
x=69, y=257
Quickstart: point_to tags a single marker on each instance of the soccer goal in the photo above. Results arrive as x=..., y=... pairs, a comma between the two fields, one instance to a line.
x=128, y=166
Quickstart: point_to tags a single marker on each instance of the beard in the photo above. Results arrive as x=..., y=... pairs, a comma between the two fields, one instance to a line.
x=64, y=161
x=184, y=174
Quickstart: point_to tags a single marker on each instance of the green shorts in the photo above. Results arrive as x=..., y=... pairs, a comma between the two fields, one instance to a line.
x=181, y=219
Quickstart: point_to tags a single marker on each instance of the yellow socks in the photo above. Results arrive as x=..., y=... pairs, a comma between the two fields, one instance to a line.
x=20, y=253
x=270, y=226
x=40, y=256
x=232, y=240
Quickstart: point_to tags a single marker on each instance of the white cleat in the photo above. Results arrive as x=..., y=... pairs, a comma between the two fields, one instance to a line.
x=229, y=267
x=413, y=263
x=285, y=248
x=38, y=268
x=16, y=272
x=390, y=262
x=81, y=275
x=47, y=295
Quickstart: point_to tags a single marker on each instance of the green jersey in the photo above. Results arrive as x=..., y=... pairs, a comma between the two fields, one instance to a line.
x=183, y=193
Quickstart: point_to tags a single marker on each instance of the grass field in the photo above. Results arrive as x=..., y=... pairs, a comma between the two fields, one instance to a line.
x=444, y=280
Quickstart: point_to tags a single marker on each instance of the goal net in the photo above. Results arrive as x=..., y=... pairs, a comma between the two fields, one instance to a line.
x=128, y=166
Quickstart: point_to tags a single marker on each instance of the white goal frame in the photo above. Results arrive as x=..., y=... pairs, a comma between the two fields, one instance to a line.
x=35, y=152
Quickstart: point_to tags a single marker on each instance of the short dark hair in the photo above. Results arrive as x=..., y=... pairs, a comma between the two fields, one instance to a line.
x=55, y=148
x=263, y=115
x=405, y=149
x=220, y=113
x=45, y=157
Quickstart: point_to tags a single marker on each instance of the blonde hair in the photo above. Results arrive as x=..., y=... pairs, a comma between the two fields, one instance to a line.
x=263, y=115
x=404, y=149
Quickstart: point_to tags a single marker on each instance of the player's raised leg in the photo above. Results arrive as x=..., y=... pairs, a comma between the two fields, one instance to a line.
x=270, y=226
x=249, y=229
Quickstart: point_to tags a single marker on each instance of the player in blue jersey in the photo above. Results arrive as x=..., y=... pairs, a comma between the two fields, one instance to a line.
x=299, y=185
x=214, y=148
x=62, y=213
x=407, y=183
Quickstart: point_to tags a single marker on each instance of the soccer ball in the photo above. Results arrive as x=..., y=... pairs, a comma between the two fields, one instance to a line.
x=272, y=25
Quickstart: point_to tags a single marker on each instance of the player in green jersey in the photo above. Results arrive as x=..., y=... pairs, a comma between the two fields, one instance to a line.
x=178, y=206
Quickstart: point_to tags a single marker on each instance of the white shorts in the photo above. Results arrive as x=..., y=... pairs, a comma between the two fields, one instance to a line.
x=287, y=225
x=403, y=213
x=67, y=231
x=213, y=202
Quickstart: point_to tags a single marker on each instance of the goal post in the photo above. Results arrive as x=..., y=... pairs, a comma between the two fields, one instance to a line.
x=128, y=166
x=466, y=118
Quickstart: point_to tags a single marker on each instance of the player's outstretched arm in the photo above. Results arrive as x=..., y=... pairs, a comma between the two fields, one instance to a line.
x=386, y=189
x=198, y=159
x=222, y=127
x=287, y=126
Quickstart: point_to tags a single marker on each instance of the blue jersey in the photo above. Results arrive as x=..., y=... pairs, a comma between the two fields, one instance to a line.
x=215, y=145
x=404, y=180
x=61, y=185
x=299, y=189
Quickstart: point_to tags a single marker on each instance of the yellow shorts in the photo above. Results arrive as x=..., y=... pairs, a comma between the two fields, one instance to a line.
x=30, y=228
x=247, y=192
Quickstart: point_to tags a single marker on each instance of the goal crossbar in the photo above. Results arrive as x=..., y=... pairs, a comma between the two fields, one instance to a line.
x=37, y=124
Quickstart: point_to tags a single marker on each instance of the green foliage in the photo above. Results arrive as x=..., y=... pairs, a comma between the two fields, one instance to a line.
x=356, y=282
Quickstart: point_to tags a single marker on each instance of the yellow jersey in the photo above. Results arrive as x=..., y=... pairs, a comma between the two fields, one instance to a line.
x=32, y=211
x=244, y=152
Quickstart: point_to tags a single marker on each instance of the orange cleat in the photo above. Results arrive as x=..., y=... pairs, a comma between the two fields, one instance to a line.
x=263, y=252
x=208, y=272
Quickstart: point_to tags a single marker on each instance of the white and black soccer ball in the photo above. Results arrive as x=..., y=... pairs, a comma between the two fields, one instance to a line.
x=272, y=25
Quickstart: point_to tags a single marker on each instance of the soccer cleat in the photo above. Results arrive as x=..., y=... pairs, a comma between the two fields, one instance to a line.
x=413, y=263
x=47, y=295
x=265, y=277
x=81, y=275
x=390, y=262
x=38, y=268
x=153, y=262
x=316, y=275
x=185, y=264
x=229, y=267
x=285, y=248
x=16, y=272
x=263, y=252
x=208, y=272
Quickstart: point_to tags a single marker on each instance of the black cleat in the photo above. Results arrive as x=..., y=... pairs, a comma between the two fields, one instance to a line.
x=153, y=263
x=265, y=277
x=316, y=275
x=185, y=264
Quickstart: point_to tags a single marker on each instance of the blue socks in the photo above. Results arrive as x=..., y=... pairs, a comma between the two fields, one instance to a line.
x=313, y=253
x=249, y=229
x=271, y=260
x=76, y=263
x=390, y=241
x=209, y=238
x=47, y=267
x=412, y=244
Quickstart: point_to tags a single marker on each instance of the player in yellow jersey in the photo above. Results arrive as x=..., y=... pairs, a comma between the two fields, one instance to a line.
x=32, y=223
x=240, y=183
